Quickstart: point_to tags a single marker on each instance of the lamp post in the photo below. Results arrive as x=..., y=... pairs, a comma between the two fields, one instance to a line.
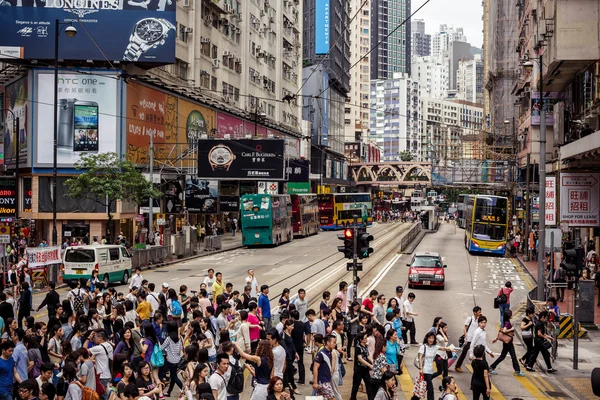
x=542, y=183
x=70, y=31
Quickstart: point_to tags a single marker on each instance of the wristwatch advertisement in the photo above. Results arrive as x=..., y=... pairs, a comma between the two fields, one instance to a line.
x=220, y=157
x=148, y=33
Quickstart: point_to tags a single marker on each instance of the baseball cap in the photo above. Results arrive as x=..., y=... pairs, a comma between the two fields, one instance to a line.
x=399, y=289
x=165, y=285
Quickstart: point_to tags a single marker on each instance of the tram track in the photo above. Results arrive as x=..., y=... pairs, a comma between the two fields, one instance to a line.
x=335, y=267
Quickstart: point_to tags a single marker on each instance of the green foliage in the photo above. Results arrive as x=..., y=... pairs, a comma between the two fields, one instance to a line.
x=106, y=178
x=406, y=156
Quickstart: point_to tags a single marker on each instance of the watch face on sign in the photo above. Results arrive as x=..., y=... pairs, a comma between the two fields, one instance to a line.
x=149, y=30
x=220, y=156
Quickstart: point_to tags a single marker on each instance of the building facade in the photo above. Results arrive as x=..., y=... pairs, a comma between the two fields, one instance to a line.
x=395, y=117
x=470, y=80
x=441, y=41
x=420, y=41
x=394, y=52
x=433, y=76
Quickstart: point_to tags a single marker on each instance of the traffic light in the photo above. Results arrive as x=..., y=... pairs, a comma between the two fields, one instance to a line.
x=570, y=256
x=364, y=249
x=348, y=247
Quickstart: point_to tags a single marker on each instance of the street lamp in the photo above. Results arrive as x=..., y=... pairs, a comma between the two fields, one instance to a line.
x=70, y=31
x=542, y=181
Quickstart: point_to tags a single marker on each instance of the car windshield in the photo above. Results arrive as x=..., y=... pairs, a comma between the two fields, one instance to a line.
x=427, y=262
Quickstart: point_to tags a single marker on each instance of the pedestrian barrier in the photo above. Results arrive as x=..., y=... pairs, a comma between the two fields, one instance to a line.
x=151, y=255
x=566, y=330
x=212, y=243
x=409, y=237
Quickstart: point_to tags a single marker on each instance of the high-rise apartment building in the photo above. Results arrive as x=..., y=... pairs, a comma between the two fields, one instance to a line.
x=420, y=41
x=326, y=77
x=356, y=111
x=432, y=75
x=395, y=116
x=394, y=52
x=441, y=41
x=470, y=80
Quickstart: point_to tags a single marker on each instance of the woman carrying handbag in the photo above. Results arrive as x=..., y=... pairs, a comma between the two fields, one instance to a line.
x=506, y=336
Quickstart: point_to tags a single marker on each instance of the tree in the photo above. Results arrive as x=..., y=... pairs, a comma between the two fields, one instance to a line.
x=106, y=178
x=406, y=156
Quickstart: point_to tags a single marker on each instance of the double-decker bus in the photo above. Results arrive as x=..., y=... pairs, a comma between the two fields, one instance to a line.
x=305, y=214
x=486, y=227
x=266, y=219
x=461, y=205
x=337, y=210
x=416, y=200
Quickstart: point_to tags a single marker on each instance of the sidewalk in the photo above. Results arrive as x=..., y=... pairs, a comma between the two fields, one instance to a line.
x=566, y=306
x=570, y=383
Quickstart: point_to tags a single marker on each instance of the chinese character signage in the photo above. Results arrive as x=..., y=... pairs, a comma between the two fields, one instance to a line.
x=88, y=116
x=241, y=159
x=42, y=256
x=298, y=170
x=201, y=195
x=133, y=30
x=15, y=100
x=579, y=199
x=229, y=203
x=550, y=201
x=8, y=197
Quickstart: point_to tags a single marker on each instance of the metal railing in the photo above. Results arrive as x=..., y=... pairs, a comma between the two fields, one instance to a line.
x=151, y=255
x=409, y=237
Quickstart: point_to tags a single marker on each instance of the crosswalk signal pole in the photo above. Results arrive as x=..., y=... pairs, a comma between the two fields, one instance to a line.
x=576, y=324
x=355, y=256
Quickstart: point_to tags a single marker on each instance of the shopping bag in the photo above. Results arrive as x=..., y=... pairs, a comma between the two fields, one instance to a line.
x=420, y=387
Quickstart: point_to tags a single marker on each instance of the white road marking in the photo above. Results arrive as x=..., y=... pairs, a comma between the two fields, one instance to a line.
x=174, y=279
x=382, y=273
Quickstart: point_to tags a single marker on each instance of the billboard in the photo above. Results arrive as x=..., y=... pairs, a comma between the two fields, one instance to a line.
x=229, y=127
x=550, y=99
x=550, y=215
x=579, y=199
x=241, y=159
x=229, y=203
x=325, y=110
x=8, y=197
x=298, y=170
x=88, y=117
x=201, y=196
x=132, y=30
x=322, y=27
x=149, y=112
x=16, y=100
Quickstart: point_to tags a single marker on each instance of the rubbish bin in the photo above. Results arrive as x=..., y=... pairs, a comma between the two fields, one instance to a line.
x=179, y=245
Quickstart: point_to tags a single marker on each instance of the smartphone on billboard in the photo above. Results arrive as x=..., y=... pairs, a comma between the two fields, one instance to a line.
x=85, y=126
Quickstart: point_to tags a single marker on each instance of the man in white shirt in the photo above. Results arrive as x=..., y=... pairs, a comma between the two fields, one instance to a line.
x=208, y=281
x=379, y=310
x=253, y=283
x=136, y=279
x=152, y=298
x=218, y=380
x=471, y=325
x=278, y=353
x=409, y=321
x=102, y=353
x=400, y=300
x=301, y=304
x=480, y=338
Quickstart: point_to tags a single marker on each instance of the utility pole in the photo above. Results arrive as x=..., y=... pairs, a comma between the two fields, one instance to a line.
x=151, y=209
x=542, y=191
x=355, y=256
x=527, y=209
x=576, y=324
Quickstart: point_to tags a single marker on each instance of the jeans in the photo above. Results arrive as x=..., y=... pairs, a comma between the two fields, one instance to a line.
x=234, y=397
x=503, y=309
x=267, y=322
x=104, y=383
x=173, y=377
x=507, y=348
x=6, y=396
x=463, y=354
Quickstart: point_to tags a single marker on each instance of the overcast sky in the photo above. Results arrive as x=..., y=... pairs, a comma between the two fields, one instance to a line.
x=466, y=15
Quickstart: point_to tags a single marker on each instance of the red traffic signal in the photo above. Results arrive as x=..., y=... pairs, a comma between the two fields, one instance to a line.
x=348, y=233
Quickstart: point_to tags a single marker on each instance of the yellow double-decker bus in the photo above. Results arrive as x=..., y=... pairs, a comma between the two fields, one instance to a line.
x=337, y=210
x=486, y=224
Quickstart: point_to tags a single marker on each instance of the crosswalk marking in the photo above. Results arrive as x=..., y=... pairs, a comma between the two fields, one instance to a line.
x=406, y=383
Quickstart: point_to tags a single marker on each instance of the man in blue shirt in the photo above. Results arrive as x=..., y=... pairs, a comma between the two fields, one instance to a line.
x=7, y=370
x=265, y=306
x=20, y=354
x=322, y=367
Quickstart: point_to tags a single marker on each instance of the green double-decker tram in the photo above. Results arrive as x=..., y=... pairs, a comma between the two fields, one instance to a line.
x=266, y=219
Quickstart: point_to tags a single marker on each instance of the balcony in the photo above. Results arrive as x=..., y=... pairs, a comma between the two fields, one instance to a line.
x=574, y=43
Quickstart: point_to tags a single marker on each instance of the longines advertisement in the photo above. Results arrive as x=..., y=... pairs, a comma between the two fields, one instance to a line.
x=241, y=159
x=87, y=117
x=201, y=196
x=120, y=30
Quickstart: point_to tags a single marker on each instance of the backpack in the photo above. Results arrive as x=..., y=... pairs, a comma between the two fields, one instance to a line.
x=87, y=393
x=77, y=301
x=176, y=308
x=236, y=379
x=157, y=358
